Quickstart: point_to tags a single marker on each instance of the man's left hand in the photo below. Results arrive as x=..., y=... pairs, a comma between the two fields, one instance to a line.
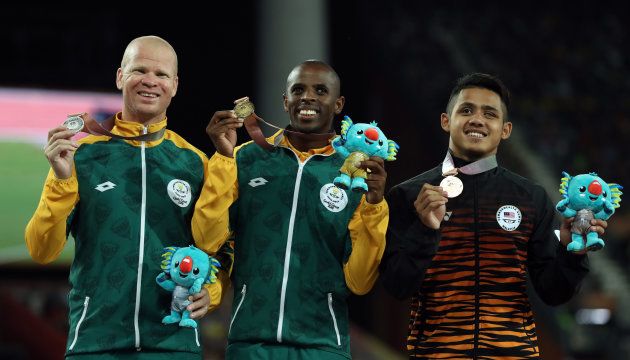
x=200, y=303
x=375, y=167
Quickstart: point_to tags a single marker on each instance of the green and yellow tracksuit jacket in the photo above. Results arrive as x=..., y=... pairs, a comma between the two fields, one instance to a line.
x=125, y=202
x=301, y=244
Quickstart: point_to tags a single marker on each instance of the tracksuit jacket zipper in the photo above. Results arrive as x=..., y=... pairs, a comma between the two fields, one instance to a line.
x=143, y=210
x=476, y=229
x=287, y=254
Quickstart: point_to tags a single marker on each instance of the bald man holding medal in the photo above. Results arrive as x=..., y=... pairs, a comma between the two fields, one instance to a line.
x=125, y=192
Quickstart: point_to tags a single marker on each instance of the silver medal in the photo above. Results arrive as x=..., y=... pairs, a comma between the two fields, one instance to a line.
x=452, y=185
x=74, y=123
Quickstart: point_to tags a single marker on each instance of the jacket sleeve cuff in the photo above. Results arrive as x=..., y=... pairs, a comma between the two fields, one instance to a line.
x=375, y=209
x=223, y=159
x=215, y=291
x=62, y=185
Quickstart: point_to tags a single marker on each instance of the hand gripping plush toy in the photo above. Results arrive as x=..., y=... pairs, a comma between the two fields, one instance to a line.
x=186, y=269
x=587, y=197
x=357, y=143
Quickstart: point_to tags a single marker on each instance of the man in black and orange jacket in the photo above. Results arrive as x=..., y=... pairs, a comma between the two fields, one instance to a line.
x=462, y=248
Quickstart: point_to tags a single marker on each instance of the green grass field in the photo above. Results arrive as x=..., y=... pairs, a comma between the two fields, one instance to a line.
x=23, y=169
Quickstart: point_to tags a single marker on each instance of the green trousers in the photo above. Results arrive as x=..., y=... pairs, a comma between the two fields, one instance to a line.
x=136, y=355
x=260, y=351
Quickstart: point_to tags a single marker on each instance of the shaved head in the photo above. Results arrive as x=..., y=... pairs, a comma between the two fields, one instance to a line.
x=150, y=41
x=148, y=79
x=321, y=64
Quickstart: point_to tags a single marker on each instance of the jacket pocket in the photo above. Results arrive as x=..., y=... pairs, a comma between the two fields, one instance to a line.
x=86, y=302
x=334, y=318
x=238, y=307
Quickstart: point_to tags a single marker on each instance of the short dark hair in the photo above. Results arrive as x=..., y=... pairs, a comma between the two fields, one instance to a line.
x=484, y=81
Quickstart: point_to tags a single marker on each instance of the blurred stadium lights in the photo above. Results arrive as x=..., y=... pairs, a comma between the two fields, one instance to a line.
x=593, y=316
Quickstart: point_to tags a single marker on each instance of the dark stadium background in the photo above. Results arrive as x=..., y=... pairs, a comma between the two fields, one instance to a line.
x=566, y=63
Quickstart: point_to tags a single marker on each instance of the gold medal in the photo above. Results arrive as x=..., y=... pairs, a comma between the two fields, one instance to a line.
x=74, y=123
x=452, y=185
x=243, y=107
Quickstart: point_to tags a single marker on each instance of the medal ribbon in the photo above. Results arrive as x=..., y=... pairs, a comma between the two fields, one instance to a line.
x=94, y=127
x=476, y=167
x=253, y=129
x=252, y=125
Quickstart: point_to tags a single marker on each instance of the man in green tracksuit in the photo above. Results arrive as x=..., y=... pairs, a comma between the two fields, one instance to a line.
x=301, y=244
x=124, y=201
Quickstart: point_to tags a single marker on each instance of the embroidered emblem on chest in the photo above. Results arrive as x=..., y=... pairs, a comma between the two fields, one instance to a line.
x=179, y=191
x=509, y=217
x=333, y=198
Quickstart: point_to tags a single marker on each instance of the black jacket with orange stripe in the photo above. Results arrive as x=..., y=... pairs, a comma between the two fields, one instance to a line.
x=468, y=280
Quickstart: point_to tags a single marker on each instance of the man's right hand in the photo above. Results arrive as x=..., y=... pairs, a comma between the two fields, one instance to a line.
x=60, y=151
x=222, y=131
x=431, y=205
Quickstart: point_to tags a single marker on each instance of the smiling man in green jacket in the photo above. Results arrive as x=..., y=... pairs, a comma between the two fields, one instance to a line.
x=301, y=244
x=124, y=201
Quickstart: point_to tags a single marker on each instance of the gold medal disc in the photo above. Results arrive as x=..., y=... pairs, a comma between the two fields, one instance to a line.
x=243, y=108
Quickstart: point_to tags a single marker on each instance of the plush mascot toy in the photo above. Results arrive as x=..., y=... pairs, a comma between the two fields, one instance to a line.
x=357, y=143
x=587, y=197
x=186, y=269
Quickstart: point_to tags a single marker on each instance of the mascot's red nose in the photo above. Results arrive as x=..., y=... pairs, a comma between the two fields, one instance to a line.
x=371, y=134
x=186, y=265
x=595, y=188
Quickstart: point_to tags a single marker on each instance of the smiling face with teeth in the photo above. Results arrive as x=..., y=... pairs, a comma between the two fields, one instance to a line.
x=476, y=124
x=148, y=79
x=312, y=97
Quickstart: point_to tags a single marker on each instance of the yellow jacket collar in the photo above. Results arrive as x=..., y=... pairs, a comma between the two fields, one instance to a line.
x=132, y=128
x=280, y=140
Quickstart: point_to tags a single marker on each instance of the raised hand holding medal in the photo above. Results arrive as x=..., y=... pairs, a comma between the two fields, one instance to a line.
x=74, y=123
x=431, y=202
x=453, y=185
x=244, y=109
x=60, y=148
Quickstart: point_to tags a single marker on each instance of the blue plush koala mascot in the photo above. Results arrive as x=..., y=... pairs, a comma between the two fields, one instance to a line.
x=185, y=270
x=587, y=197
x=357, y=143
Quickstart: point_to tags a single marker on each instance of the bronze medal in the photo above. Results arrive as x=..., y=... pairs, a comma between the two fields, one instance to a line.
x=452, y=185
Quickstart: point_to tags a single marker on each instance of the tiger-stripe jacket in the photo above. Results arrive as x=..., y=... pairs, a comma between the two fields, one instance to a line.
x=467, y=280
